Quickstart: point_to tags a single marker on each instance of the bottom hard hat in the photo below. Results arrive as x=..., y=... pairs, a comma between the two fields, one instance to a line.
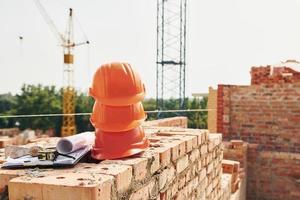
x=113, y=145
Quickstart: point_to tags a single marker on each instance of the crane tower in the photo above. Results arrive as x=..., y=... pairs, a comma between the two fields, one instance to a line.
x=171, y=52
x=68, y=126
x=66, y=40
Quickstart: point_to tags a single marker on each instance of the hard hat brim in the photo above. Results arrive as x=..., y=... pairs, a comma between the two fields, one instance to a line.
x=102, y=154
x=113, y=145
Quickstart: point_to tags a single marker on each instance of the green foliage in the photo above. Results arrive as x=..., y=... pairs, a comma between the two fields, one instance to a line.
x=39, y=100
x=47, y=99
x=7, y=105
x=84, y=104
x=195, y=119
x=150, y=104
x=42, y=100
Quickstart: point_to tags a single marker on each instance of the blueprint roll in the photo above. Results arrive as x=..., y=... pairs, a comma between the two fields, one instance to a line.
x=72, y=143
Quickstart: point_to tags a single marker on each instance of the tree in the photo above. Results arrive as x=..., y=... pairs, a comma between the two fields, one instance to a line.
x=84, y=104
x=149, y=105
x=47, y=99
x=39, y=100
x=197, y=119
x=7, y=105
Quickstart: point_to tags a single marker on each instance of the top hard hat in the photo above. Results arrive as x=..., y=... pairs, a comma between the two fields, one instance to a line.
x=117, y=84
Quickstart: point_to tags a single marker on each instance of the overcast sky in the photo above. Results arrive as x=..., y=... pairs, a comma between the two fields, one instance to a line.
x=225, y=38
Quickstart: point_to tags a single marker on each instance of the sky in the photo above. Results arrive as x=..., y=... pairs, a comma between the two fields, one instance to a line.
x=225, y=38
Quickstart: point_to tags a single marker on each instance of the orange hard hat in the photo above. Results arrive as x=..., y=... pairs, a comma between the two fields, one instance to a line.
x=117, y=118
x=113, y=145
x=117, y=84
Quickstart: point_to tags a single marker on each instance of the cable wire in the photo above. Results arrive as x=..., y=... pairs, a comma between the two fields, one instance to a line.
x=87, y=114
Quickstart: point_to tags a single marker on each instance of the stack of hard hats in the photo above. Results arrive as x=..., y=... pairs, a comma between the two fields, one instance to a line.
x=118, y=112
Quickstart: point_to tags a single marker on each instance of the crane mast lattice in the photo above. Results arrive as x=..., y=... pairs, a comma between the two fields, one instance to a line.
x=67, y=42
x=68, y=126
x=171, y=52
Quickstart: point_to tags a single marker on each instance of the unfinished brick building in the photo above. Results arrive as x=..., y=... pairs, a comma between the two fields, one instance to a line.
x=266, y=115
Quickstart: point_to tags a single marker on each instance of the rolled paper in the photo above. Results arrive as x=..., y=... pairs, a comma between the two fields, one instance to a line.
x=72, y=143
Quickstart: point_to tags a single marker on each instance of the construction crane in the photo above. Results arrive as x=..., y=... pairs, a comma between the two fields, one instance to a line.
x=171, y=53
x=68, y=44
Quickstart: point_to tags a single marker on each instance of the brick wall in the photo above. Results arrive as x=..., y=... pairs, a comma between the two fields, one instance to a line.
x=223, y=110
x=268, y=115
x=169, y=122
x=269, y=175
x=180, y=164
x=220, y=109
x=8, y=136
x=9, y=132
x=237, y=150
x=271, y=75
x=273, y=175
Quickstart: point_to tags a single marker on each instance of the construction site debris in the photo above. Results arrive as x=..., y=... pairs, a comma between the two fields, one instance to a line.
x=19, y=151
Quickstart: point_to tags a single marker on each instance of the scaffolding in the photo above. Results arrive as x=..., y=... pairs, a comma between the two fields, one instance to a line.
x=171, y=52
